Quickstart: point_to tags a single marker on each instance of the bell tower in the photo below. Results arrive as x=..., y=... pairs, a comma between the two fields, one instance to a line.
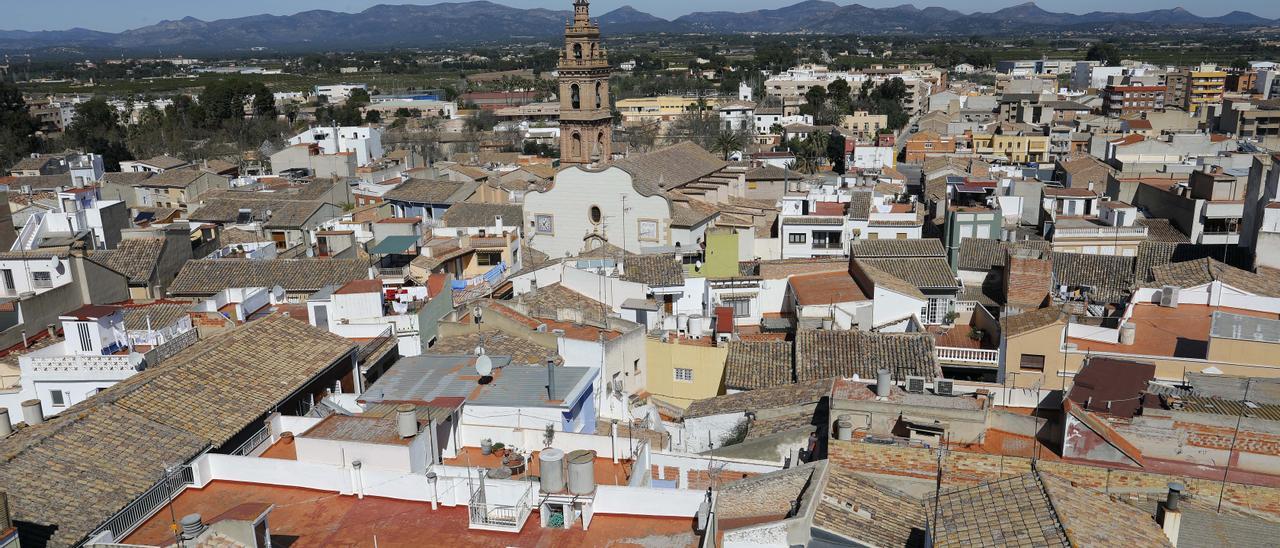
x=586, y=124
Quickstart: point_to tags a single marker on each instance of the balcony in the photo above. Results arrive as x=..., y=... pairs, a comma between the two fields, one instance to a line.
x=968, y=356
x=116, y=365
x=495, y=516
x=1217, y=238
x=1101, y=232
x=828, y=245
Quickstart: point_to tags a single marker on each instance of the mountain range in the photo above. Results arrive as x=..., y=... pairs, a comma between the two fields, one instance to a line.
x=388, y=26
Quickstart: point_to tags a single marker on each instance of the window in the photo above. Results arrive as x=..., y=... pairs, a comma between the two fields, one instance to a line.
x=902, y=235
x=741, y=307
x=57, y=398
x=596, y=215
x=575, y=98
x=683, y=374
x=41, y=280
x=86, y=344
x=1034, y=362
x=635, y=366
x=798, y=238
x=488, y=258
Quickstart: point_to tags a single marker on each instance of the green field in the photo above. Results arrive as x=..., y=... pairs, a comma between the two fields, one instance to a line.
x=387, y=83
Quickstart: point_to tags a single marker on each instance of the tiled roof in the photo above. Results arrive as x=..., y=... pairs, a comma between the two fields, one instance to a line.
x=164, y=162
x=38, y=182
x=690, y=213
x=545, y=302
x=753, y=365
x=670, y=167
x=286, y=210
x=158, y=315
x=767, y=498
x=1203, y=271
x=858, y=509
x=468, y=214
x=661, y=270
x=808, y=391
x=167, y=415
x=859, y=205
x=173, y=178
x=135, y=258
x=823, y=354
x=209, y=276
x=1008, y=512
x=232, y=236
x=920, y=272
x=980, y=254
x=880, y=278
x=127, y=178
x=922, y=247
x=1162, y=230
x=1091, y=518
x=772, y=173
x=1018, y=324
x=826, y=288
x=428, y=191
x=496, y=343
x=1110, y=276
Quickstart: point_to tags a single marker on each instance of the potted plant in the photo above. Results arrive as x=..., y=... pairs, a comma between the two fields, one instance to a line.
x=486, y=446
x=548, y=435
x=499, y=449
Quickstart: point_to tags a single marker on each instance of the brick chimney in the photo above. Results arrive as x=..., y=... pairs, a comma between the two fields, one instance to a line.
x=1028, y=277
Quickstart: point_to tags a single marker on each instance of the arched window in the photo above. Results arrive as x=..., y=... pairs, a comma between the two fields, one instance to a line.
x=575, y=100
x=577, y=51
x=599, y=94
x=575, y=145
x=601, y=151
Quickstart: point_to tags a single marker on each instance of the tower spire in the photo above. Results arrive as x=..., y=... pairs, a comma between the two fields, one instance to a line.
x=586, y=121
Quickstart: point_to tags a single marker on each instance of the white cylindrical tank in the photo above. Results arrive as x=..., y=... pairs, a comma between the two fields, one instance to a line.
x=582, y=472
x=844, y=428
x=406, y=420
x=695, y=325
x=682, y=322
x=32, y=413
x=551, y=470
x=1128, y=333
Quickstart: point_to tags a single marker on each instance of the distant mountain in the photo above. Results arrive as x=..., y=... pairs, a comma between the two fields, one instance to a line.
x=387, y=26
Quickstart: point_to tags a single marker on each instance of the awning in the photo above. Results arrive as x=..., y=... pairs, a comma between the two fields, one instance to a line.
x=394, y=244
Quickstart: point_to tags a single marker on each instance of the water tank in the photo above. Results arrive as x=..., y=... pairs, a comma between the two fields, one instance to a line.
x=695, y=326
x=883, y=383
x=406, y=420
x=551, y=469
x=6, y=426
x=682, y=322
x=1128, y=333
x=844, y=428
x=32, y=414
x=582, y=472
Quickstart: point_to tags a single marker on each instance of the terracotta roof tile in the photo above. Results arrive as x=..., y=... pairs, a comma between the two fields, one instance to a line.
x=753, y=365
x=824, y=354
x=661, y=270
x=209, y=276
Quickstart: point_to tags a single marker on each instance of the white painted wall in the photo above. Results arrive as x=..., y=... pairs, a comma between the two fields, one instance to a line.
x=569, y=202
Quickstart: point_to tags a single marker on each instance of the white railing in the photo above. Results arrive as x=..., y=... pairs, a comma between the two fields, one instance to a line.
x=255, y=441
x=27, y=239
x=500, y=517
x=143, y=507
x=81, y=364
x=1101, y=232
x=965, y=307
x=968, y=355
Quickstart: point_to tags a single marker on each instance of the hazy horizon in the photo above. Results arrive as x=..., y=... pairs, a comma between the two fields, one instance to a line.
x=119, y=15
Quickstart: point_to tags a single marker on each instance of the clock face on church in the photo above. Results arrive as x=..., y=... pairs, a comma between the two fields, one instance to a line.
x=544, y=224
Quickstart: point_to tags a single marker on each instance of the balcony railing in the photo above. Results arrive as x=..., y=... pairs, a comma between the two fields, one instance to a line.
x=968, y=355
x=83, y=364
x=398, y=272
x=143, y=507
x=828, y=245
x=369, y=348
x=498, y=517
x=1101, y=232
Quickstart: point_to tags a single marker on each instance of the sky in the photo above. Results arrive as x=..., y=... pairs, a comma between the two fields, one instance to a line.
x=117, y=15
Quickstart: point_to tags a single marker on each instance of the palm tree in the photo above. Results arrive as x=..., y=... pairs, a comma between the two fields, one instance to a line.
x=817, y=144
x=727, y=142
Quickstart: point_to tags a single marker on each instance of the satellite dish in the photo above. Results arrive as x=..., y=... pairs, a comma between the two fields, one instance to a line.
x=484, y=365
x=136, y=360
x=479, y=351
x=277, y=292
x=55, y=265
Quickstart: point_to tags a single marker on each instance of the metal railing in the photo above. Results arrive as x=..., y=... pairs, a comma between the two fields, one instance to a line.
x=146, y=505
x=510, y=517
x=171, y=347
x=255, y=441
x=969, y=355
x=400, y=272
x=372, y=346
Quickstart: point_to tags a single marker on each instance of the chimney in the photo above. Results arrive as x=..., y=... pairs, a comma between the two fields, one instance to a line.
x=192, y=526
x=31, y=412
x=1168, y=515
x=53, y=331
x=6, y=425
x=406, y=420
x=1028, y=277
x=551, y=378
x=884, y=383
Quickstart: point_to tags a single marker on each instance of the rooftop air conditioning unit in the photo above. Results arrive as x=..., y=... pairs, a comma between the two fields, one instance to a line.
x=944, y=387
x=915, y=385
x=1169, y=296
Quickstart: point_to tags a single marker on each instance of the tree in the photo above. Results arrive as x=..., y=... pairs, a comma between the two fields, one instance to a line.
x=835, y=152
x=1240, y=64
x=97, y=129
x=358, y=98
x=373, y=117
x=728, y=142
x=1105, y=52
x=838, y=92
x=17, y=126
x=815, y=97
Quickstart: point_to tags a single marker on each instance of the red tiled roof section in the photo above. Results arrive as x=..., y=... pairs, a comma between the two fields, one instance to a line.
x=828, y=208
x=360, y=286
x=826, y=288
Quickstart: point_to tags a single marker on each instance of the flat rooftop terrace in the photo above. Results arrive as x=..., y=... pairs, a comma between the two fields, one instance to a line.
x=304, y=518
x=1181, y=332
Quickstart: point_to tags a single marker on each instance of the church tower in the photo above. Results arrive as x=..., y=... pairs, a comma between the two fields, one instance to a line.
x=586, y=124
